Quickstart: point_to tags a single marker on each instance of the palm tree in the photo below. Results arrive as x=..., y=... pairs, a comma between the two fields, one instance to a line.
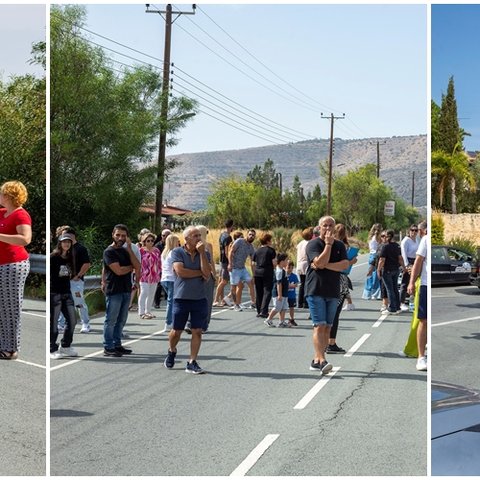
x=448, y=168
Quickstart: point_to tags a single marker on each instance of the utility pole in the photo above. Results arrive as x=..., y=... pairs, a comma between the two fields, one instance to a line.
x=162, y=146
x=378, y=175
x=413, y=187
x=330, y=160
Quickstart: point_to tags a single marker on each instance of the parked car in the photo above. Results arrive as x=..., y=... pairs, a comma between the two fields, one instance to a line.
x=455, y=430
x=451, y=265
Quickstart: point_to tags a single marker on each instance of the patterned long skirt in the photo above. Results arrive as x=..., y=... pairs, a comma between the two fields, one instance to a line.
x=12, y=283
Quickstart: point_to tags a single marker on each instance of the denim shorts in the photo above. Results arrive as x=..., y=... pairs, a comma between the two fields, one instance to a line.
x=238, y=275
x=280, y=305
x=197, y=310
x=422, y=303
x=322, y=310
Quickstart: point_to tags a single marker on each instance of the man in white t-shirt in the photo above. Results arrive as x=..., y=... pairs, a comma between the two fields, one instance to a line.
x=420, y=267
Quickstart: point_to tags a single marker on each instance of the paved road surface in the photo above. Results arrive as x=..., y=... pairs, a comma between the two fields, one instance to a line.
x=258, y=411
x=456, y=335
x=22, y=402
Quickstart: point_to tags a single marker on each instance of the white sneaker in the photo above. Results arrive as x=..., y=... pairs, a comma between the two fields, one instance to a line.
x=349, y=307
x=238, y=308
x=422, y=364
x=403, y=307
x=383, y=309
x=228, y=301
x=67, y=352
x=85, y=328
x=55, y=355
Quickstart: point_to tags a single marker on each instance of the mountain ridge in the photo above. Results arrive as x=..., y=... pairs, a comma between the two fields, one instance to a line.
x=188, y=186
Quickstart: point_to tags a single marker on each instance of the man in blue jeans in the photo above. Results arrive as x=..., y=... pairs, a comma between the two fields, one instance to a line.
x=118, y=264
x=326, y=258
x=192, y=269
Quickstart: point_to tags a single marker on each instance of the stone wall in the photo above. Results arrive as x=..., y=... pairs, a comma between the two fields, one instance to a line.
x=465, y=225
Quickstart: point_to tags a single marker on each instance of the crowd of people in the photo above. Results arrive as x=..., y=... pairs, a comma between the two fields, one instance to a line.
x=187, y=276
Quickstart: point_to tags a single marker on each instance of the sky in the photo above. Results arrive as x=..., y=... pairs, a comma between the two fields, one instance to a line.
x=20, y=27
x=455, y=50
x=367, y=61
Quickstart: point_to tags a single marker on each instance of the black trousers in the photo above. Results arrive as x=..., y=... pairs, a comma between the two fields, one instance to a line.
x=61, y=302
x=263, y=293
x=302, y=303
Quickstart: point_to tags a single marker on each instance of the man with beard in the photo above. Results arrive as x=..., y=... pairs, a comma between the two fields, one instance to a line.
x=119, y=263
x=237, y=257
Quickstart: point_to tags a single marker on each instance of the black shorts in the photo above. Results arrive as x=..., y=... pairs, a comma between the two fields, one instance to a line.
x=292, y=302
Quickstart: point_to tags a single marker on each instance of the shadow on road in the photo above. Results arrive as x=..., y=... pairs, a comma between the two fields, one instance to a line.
x=69, y=413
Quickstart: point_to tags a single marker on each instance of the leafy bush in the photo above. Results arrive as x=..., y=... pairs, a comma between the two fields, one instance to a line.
x=436, y=230
x=95, y=300
x=464, y=244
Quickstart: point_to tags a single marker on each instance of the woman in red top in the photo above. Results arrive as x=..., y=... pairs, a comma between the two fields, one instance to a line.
x=15, y=234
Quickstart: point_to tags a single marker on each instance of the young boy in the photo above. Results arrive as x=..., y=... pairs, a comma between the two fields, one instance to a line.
x=293, y=282
x=280, y=292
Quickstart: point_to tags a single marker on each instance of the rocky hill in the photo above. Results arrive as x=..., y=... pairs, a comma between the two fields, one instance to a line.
x=189, y=185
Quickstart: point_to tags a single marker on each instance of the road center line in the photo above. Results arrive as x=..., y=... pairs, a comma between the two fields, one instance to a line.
x=220, y=311
x=315, y=389
x=100, y=352
x=30, y=363
x=254, y=456
x=357, y=345
x=382, y=317
x=455, y=321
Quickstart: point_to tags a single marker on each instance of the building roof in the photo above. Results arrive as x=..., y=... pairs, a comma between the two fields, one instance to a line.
x=167, y=210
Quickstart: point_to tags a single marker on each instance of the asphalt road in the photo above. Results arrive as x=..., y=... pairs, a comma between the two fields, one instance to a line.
x=259, y=410
x=456, y=335
x=22, y=402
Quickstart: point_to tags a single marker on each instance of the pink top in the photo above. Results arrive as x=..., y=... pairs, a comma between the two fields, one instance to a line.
x=12, y=253
x=151, y=268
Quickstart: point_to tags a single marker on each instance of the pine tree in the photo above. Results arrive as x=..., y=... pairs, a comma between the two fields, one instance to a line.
x=448, y=129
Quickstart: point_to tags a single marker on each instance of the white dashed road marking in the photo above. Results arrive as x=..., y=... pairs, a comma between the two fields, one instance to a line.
x=254, y=456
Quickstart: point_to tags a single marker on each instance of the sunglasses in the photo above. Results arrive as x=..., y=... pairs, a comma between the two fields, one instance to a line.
x=414, y=229
x=383, y=236
x=149, y=240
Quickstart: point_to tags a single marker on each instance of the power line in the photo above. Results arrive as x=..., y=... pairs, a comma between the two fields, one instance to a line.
x=249, y=66
x=263, y=64
x=224, y=96
x=245, y=114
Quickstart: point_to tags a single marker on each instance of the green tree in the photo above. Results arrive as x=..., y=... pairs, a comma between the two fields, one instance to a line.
x=447, y=171
x=266, y=177
x=23, y=142
x=448, y=127
x=358, y=198
x=104, y=130
x=435, y=120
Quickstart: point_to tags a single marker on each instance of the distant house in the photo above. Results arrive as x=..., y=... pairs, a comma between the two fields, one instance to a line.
x=472, y=155
x=170, y=215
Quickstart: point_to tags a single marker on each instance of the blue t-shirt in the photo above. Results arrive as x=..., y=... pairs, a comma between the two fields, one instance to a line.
x=188, y=288
x=292, y=278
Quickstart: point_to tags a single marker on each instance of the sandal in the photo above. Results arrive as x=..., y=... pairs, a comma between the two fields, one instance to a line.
x=8, y=355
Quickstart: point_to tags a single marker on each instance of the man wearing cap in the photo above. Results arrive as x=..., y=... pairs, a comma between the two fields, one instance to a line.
x=77, y=285
x=160, y=244
x=118, y=264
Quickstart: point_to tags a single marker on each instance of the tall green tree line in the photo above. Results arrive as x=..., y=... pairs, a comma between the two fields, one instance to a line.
x=454, y=177
x=23, y=142
x=104, y=131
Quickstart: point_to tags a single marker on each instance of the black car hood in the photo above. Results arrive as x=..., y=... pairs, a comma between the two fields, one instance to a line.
x=455, y=430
